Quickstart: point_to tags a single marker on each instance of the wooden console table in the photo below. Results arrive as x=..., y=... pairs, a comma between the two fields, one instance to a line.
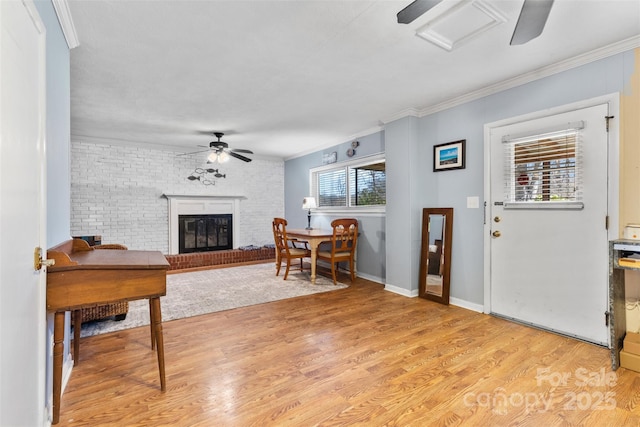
x=84, y=277
x=617, y=308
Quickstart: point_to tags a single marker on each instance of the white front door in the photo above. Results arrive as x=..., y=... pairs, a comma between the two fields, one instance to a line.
x=548, y=257
x=22, y=215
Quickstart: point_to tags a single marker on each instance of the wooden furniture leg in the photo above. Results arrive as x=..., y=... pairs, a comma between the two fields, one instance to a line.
x=77, y=321
x=151, y=329
x=314, y=257
x=58, y=350
x=156, y=315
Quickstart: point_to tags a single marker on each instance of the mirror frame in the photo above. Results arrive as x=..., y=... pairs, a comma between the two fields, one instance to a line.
x=424, y=254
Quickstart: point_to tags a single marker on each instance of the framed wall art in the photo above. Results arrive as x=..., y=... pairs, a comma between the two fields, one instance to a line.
x=450, y=155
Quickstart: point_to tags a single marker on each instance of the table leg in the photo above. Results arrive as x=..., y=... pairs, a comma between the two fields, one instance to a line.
x=58, y=350
x=77, y=321
x=156, y=316
x=314, y=256
x=151, y=328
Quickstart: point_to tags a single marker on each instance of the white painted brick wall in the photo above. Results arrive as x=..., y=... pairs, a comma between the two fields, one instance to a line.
x=116, y=192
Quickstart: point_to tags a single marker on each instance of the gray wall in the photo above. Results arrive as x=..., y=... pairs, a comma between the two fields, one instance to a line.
x=58, y=127
x=57, y=150
x=371, y=242
x=412, y=184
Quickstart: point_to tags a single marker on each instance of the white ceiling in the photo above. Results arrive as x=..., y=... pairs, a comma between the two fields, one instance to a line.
x=284, y=78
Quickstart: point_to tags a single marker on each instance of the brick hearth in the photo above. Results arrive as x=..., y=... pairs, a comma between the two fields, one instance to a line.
x=231, y=256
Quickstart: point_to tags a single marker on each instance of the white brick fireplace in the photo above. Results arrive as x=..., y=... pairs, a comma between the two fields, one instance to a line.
x=200, y=205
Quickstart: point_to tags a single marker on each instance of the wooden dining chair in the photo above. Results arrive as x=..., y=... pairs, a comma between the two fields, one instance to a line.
x=343, y=245
x=286, y=248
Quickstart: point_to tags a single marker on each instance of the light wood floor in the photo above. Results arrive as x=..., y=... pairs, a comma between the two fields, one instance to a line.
x=359, y=356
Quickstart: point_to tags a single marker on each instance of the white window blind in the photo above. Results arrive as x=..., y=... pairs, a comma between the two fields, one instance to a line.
x=357, y=184
x=544, y=170
x=332, y=188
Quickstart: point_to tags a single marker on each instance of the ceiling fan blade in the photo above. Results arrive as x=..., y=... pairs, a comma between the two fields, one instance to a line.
x=531, y=21
x=415, y=10
x=239, y=156
x=195, y=152
x=240, y=150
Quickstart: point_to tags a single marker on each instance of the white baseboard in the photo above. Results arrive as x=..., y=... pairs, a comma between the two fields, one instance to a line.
x=371, y=278
x=453, y=301
x=401, y=291
x=466, y=304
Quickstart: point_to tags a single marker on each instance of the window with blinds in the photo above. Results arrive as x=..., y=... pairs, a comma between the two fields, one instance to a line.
x=352, y=184
x=332, y=188
x=544, y=170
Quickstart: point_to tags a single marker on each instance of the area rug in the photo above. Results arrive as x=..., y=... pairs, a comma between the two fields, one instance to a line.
x=207, y=291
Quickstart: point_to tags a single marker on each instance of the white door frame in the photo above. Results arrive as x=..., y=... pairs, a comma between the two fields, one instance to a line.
x=613, y=174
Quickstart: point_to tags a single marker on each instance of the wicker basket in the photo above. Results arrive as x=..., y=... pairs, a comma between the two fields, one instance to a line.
x=118, y=309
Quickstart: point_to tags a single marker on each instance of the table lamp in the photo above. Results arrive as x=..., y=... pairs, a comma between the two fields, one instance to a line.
x=309, y=203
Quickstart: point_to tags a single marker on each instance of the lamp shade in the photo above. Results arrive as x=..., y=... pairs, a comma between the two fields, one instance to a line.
x=223, y=157
x=309, y=203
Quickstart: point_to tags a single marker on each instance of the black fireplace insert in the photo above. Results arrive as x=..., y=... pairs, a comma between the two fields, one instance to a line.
x=202, y=233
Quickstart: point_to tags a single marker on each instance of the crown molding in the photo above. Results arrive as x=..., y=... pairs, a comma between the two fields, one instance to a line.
x=407, y=112
x=66, y=22
x=556, y=68
x=576, y=61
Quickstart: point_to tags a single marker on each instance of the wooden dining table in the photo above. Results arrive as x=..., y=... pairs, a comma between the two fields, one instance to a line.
x=314, y=237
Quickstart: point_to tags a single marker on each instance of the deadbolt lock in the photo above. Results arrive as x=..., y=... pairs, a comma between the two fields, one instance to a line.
x=497, y=219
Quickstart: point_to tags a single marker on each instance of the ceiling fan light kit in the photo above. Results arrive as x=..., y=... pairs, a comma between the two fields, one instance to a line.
x=220, y=152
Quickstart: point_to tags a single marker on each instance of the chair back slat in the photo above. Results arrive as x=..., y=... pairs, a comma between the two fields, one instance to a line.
x=280, y=234
x=285, y=247
x=345, y=235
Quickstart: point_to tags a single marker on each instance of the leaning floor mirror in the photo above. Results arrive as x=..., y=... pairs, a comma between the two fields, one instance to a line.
x=435, y=257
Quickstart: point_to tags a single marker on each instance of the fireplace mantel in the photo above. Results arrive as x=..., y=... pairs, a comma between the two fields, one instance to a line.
x=181, y=204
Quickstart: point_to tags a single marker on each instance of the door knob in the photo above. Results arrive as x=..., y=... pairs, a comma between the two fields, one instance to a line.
x=496, y=234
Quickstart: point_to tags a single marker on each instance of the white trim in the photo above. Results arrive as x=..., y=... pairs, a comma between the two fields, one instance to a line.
x=376, y=279
x=334, y=142
x=613, y=101
x=407, y=112
x=66, y=22
x=401, y=291
x=189, y=205
x=466, y=304
x=577, y=61
x=361, y=211
x=378, y=210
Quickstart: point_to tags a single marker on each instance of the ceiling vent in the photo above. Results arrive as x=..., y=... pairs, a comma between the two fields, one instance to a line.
x=460, y=23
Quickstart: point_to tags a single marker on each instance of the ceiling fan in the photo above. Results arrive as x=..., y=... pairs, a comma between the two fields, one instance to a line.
x=221, y=153
x=533, y=17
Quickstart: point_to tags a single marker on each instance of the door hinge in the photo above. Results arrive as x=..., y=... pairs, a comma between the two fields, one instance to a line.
x=607, y=118
x=606, y=222
x=606, y=318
